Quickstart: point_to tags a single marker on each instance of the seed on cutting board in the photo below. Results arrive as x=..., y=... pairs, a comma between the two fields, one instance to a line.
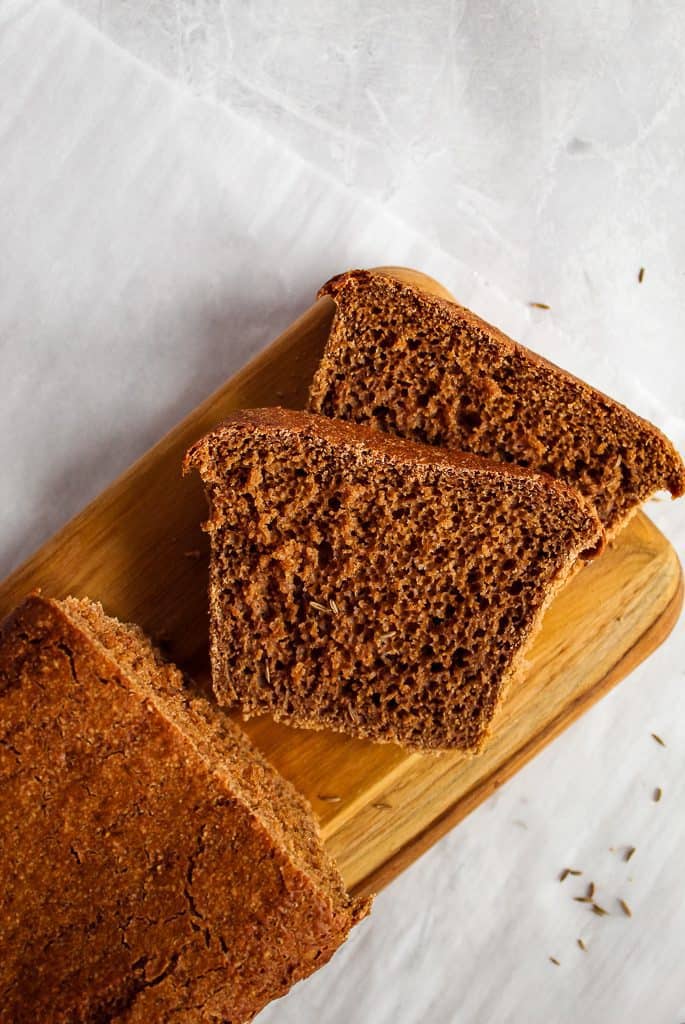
x=641, y=275
x=590, y=890
x=658, y=739
x=329, y=799
x=554, y=960
x=600, y=911
x=582, y=945
x=625, y=908
x=382, y=806
x=629, y=853
x=582, y=899
x=657, y=794
x=538, y=305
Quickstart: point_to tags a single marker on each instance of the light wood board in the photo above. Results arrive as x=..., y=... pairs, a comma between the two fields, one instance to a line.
x=139, y=549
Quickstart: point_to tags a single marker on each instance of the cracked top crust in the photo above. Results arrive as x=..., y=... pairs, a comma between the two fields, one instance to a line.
x=155, y=867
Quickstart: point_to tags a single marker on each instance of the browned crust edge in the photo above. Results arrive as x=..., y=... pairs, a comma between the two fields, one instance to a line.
x=278, y=421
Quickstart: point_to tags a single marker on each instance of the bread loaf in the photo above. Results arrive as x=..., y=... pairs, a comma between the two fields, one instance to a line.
x=154, y=867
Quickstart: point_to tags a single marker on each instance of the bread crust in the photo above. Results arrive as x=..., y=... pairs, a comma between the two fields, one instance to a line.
x=142, y=882
x=379, y=447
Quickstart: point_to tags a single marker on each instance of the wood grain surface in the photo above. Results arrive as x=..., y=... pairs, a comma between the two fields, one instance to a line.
x=139, y=549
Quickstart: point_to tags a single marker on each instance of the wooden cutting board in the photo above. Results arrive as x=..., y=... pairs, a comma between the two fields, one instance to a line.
x=139, y=549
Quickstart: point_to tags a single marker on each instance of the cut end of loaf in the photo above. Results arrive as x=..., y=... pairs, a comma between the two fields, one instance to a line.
x=421, y=367
x=371, y=585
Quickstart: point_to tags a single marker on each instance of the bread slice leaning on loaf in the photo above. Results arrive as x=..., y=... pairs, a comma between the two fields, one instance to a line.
x=154, y=866
x=372, y=585
x=403, y=361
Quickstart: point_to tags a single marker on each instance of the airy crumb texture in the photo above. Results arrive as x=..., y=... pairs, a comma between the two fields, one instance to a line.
x=155, y=867
x=406, y=362
x=371, y=585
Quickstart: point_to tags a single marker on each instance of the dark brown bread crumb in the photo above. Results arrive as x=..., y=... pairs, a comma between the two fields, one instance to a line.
x=420, y=367
x=372, y=585
x=154, y=866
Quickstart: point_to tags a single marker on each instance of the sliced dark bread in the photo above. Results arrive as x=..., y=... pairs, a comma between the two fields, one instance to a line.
x=406, y=362
x=372, y=585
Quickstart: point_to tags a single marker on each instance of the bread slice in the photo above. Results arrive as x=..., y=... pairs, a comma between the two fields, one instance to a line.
x=406, y=362
x=154, y=866
x=371, y=585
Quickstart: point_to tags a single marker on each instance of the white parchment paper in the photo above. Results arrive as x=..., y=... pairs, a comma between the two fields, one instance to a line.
x=151, y=240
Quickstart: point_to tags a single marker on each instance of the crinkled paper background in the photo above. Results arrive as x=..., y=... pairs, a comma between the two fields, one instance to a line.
x=177, y=177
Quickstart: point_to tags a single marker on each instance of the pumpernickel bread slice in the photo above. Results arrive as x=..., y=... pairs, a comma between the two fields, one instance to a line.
x=373, y=585
x=154, y=866
x=421, y=367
